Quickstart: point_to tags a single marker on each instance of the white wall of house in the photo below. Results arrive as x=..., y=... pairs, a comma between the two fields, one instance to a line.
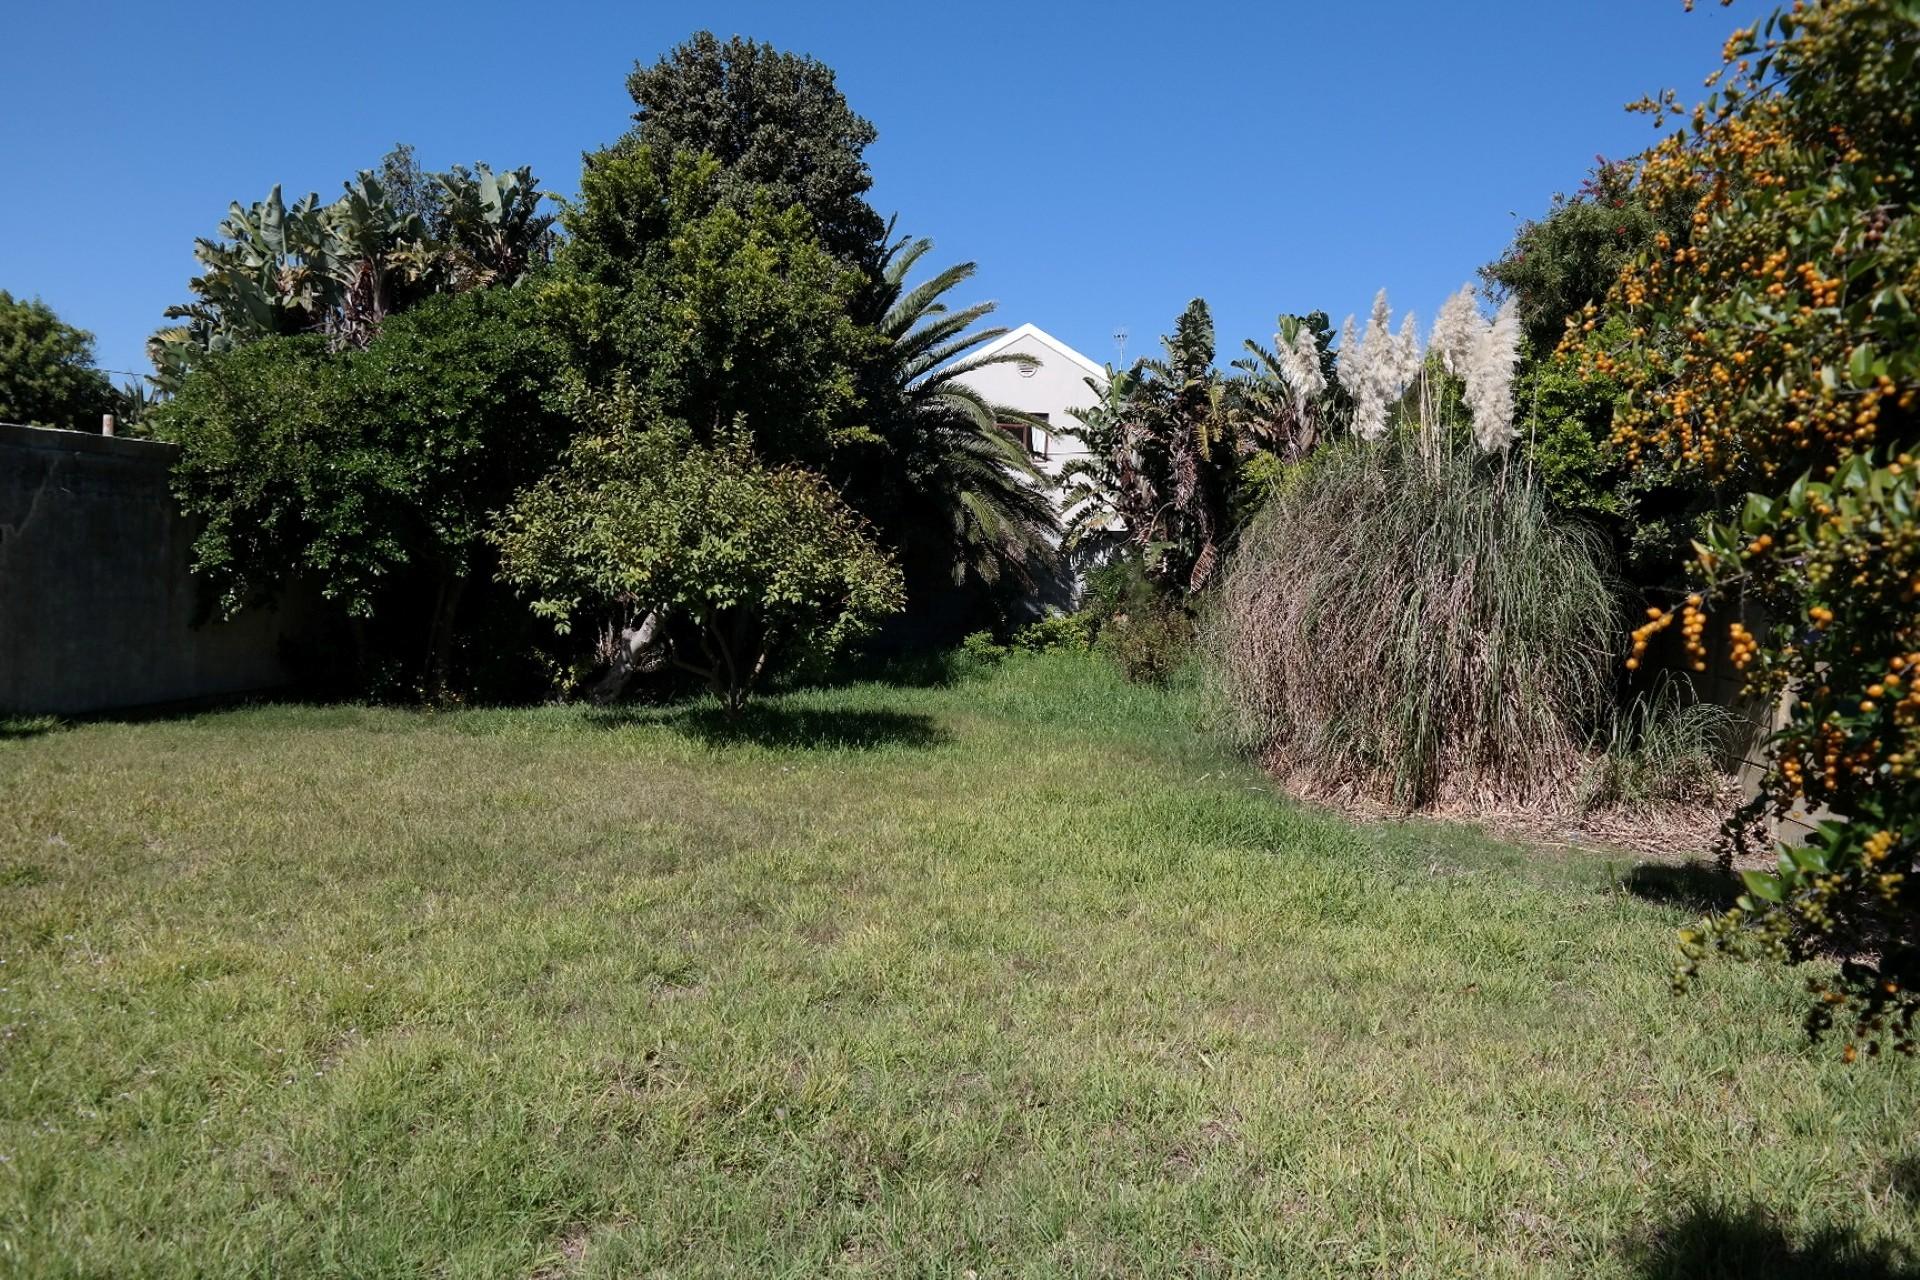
x=1052, y=385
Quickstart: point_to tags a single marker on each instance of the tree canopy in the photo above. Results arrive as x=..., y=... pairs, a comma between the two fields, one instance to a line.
x=278, y=269
x=714, y=310
x=777, y=124
x=47, y=373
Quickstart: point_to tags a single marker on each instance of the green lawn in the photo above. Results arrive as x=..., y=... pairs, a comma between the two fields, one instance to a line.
x=1019, y=975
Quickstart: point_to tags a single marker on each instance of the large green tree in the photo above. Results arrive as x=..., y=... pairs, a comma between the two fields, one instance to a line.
x=714, y=310
x=371, y=474
x=47, y=374
x=777, y=124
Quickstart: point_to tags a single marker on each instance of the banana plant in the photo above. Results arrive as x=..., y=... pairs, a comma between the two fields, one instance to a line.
x=370, y=251
x=494, y=232
x=276, y=269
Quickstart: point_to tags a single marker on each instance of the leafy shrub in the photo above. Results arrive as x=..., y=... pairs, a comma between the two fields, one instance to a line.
x=1148, y=644
x=1784, y=360
x=979, y=650
x=726, y=564
x=1415, y=627
x=370, y=473
x=1664, y=746
x=1069, y=631
x=1115, y=587
x=1132, y=621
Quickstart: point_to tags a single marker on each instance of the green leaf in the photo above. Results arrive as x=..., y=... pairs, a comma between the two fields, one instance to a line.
x=1860, y=367
x=1763, y=885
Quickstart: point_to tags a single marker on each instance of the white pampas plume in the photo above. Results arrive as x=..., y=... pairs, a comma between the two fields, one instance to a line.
x=1358, y=358
x=1380, y=319
x=1300, y=362
x=1406, y=354
x=1369, y=413
x=1352, y=365
x=1377, y=367
x=1489, y=376
x=1455, y=330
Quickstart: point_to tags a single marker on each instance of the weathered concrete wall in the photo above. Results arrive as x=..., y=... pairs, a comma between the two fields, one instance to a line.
x=1725, y=684
x=97, y=602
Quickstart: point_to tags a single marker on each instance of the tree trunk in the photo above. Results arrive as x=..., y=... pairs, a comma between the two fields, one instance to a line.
x=635, y=651
x=362, y=653
x=446, y=607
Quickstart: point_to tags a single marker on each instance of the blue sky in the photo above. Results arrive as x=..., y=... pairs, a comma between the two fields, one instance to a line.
x=1102, y=162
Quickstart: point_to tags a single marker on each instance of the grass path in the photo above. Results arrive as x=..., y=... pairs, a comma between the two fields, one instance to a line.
x=1018, y=975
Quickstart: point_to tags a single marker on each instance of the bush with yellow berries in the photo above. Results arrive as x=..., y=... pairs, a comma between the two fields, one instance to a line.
x=1777, y=350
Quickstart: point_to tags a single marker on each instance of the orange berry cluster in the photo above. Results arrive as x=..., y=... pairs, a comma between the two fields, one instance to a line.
x=1693, y=627
x=1743, y=647
x=1658, y=620
x=1903, y=695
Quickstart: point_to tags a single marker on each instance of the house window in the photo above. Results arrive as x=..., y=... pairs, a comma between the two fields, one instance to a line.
x=1034, y=442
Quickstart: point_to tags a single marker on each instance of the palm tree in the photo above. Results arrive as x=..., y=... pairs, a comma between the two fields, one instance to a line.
x=1089, y=486
x=948, y=451
x=1164, y=449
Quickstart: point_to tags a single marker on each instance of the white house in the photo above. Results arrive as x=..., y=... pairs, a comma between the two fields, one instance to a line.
x=1049, y=387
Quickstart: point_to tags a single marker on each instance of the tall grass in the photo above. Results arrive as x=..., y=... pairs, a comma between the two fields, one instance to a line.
x=1665, y=746
x=1404, y=622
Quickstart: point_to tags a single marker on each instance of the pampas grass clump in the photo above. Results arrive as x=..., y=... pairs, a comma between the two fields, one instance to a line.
x=1413, y=629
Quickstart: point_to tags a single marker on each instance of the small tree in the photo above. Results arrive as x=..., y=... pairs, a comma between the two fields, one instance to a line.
x=716, y=560
x=1165, y=451
x=47, y=374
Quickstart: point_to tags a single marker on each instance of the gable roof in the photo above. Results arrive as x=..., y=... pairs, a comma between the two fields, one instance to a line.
x=1034, y=331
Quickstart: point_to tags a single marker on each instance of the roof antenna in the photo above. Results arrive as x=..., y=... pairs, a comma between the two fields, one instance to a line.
x=1120, y=344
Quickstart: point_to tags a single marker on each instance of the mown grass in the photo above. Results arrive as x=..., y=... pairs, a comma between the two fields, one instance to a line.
x=1019, y=975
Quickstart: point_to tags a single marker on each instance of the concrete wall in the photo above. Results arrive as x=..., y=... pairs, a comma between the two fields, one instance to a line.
x=1723, y=683
x=97, y=602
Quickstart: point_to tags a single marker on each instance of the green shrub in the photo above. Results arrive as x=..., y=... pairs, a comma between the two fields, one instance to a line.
x=1113, y=586
x=1144, y=630
x=978, y=649
x=1070, y=631
x=371, y=474
x=1416, y=628
x=727, y=565
x=1148, y=644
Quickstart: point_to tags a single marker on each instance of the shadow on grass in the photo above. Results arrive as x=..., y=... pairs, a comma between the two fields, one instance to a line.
x=1695, y=886
x=913, y=669
x=1903, y=1175
x=793, y=728
x=1711, y=1244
